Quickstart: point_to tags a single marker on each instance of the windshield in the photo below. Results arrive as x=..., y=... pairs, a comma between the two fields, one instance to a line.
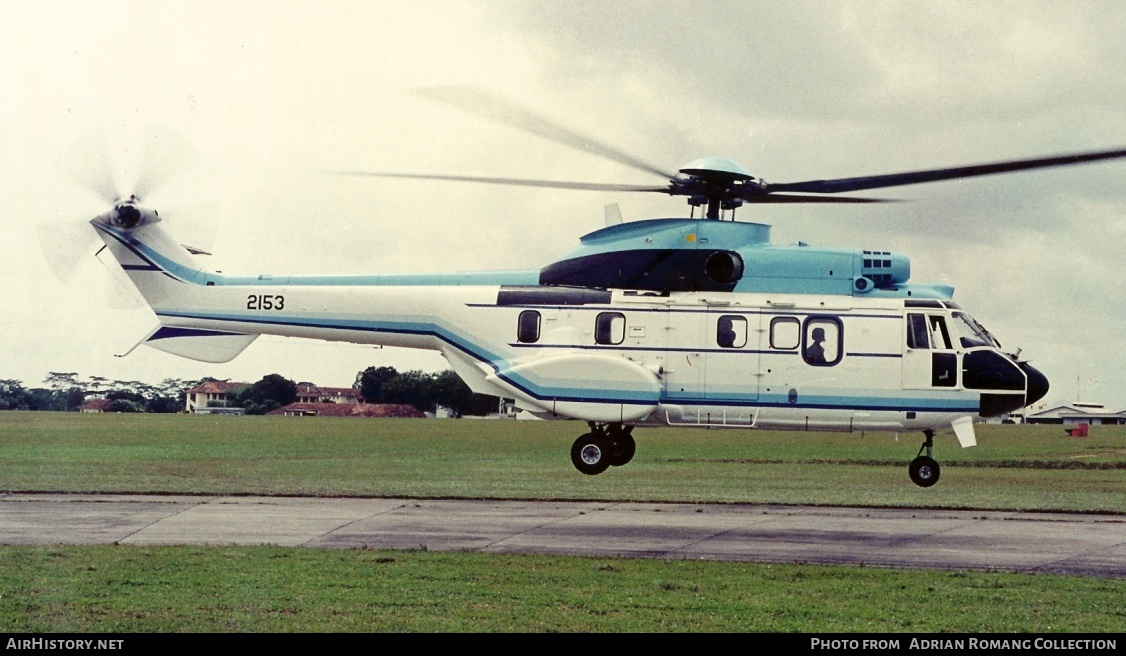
x=971, y=333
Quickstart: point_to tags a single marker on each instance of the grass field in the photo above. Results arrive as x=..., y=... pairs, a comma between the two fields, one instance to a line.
x=70, y=588
x=167, y=589
x=1014, y=467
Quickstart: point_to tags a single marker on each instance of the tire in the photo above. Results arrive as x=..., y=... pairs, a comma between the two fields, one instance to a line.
x=622, y=448
x=924, y=471
x=590, y=454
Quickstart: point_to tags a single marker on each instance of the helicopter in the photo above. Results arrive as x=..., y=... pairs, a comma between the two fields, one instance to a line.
x=681, y=322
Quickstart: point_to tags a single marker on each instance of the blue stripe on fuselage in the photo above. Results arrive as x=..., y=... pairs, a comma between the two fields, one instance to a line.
x=499, y=364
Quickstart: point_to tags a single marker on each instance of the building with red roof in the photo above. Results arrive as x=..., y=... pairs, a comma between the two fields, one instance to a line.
x=95, y=405
x=304, y=409
x=315, y=394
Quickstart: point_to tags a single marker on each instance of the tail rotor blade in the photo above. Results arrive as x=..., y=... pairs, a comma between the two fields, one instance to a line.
x=163, y=155
x=72, y=252
x=65, y=245
x=114, y=285
x=194, y=221
x=86, y=162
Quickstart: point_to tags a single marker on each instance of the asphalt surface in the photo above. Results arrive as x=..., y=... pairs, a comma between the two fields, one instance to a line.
x=1056, y=543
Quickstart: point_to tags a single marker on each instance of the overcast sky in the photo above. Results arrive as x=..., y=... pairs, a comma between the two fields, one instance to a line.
x=270, y=93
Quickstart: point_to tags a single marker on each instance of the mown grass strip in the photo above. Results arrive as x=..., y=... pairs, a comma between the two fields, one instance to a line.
x=270, y=589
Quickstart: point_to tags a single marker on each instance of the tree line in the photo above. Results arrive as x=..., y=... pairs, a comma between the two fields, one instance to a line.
x=423, y=391
x=66, y=391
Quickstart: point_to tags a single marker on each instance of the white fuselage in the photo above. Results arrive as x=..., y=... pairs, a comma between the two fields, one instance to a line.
x=789, y=361
x=662, y=361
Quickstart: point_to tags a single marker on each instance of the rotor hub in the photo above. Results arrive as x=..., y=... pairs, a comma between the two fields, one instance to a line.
x=718, y=182
x=716, y=169
x=128, y=214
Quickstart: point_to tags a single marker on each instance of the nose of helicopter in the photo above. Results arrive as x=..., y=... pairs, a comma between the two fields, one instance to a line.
x=1037, y=384
x=1006, y=385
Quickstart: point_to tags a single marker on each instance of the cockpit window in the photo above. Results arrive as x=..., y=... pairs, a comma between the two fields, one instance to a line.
x=971, y=333
x=927, y=331
x=918, y=337
x=939, y=337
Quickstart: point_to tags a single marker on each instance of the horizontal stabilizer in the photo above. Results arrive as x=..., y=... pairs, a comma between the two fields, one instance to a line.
x=196, y=344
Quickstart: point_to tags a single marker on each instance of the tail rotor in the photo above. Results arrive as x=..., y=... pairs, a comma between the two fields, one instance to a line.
x=121, y=176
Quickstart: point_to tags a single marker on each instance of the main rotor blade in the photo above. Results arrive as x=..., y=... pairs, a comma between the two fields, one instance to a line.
x=793, y=198
x=484, y=104
x=590, y=186
x=916, y=177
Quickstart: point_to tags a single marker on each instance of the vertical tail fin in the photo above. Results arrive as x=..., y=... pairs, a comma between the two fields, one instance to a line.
x=169, y=276
x=157, y=265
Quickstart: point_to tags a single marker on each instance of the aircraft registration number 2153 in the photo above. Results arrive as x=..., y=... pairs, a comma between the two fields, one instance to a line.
x=265, y=302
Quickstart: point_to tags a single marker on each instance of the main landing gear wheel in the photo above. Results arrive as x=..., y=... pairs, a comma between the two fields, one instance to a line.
x=603, y=447
x=621, y=446
x=924, y=471
x=591, y=453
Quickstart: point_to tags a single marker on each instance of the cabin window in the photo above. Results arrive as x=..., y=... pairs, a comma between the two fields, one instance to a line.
x=822, y=341
x=610, y=328
x=785, y=333
x=731, y=331
x=528, y=327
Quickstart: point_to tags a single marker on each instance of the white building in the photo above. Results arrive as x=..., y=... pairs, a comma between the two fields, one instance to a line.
x=213, y=397
x=210, y=396
x=1093, y=414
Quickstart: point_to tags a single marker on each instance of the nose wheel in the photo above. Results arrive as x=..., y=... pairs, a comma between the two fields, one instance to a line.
x=924, y=469
x=603, y=447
